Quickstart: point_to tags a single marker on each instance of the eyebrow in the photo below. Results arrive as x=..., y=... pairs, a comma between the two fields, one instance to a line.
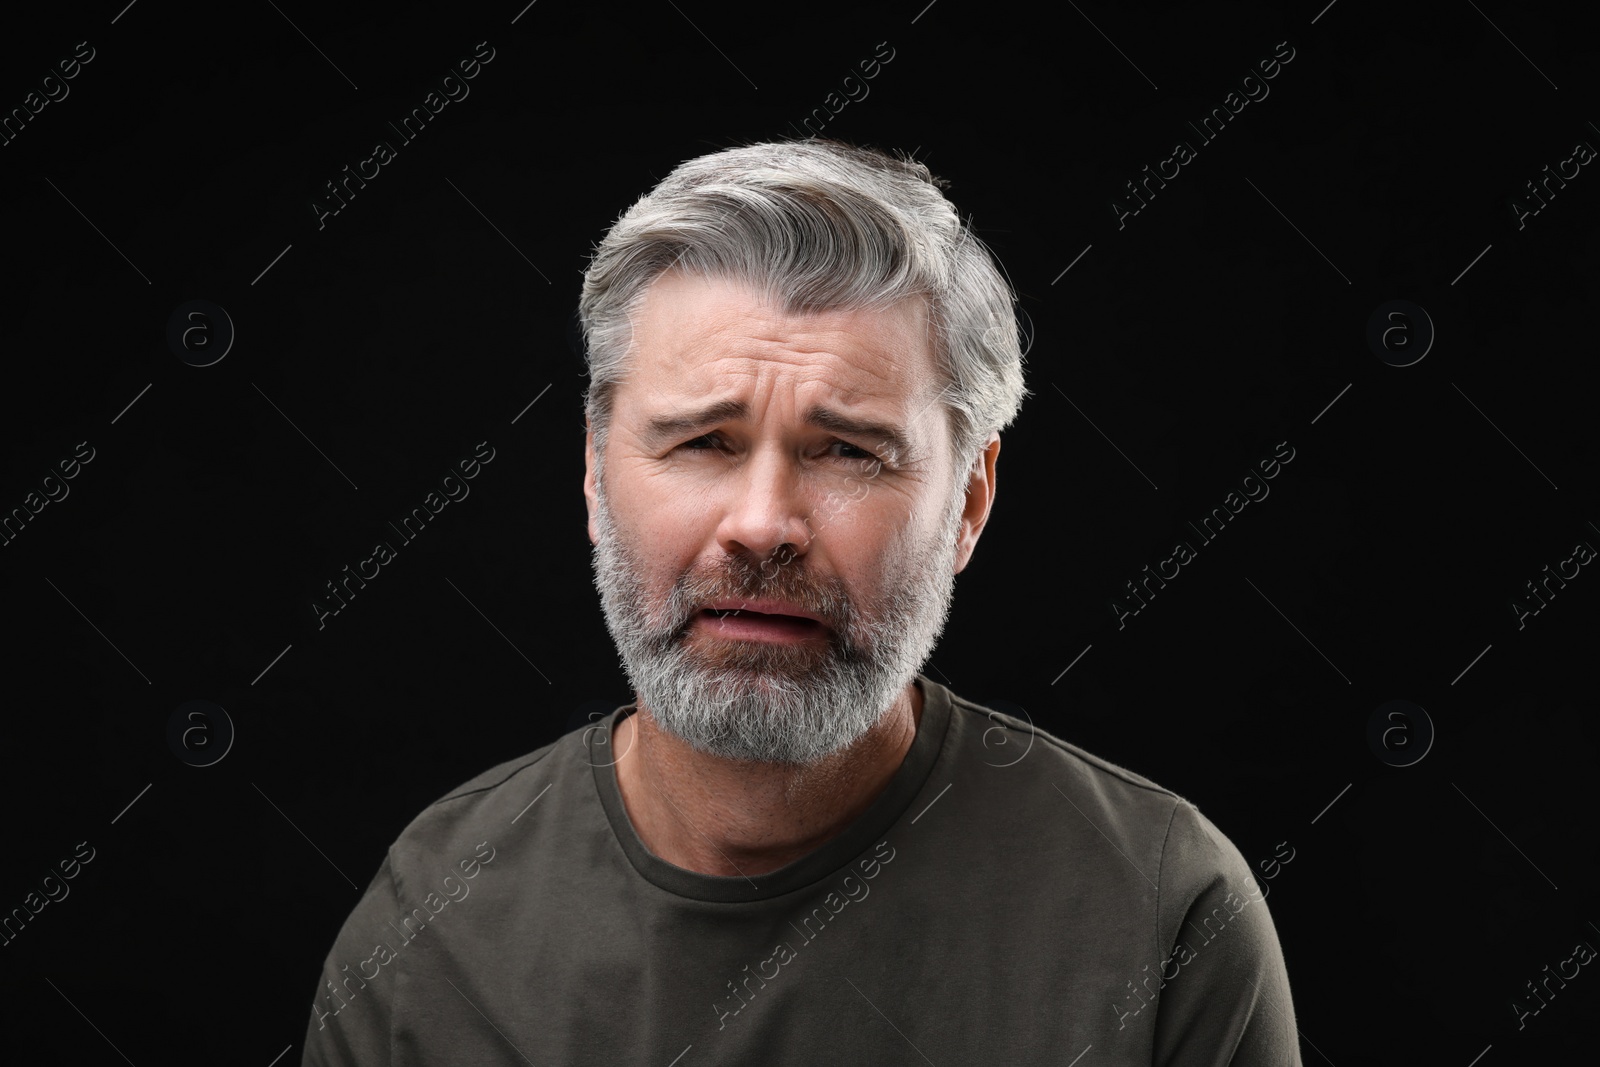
x=663, y=428
x=891, y=439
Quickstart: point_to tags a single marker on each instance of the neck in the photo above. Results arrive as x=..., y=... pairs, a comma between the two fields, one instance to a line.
x=729, y=817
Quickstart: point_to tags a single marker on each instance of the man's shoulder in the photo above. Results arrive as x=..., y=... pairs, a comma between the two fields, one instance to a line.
x=489, y=807
x=481, y=785
x=1133, y=812
x=1004, y=740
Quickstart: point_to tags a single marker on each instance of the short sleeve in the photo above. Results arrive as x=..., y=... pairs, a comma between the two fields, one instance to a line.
x=1224, y=999
x=353, y=1005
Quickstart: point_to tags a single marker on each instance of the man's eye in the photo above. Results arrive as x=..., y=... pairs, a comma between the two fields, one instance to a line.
x=855, y=452
x=710, y=442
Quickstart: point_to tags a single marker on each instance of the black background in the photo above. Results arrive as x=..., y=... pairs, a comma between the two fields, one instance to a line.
x=1175, y=353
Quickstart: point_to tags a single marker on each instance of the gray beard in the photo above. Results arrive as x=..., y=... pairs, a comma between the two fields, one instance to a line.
x=749, y=700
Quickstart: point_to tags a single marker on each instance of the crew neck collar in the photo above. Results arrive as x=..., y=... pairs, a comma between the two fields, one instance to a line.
x=808, y=869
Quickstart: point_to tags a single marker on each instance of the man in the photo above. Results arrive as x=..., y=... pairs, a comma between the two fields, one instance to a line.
x=794, y=848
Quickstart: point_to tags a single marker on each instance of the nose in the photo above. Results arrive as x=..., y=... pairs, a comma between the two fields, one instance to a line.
x=765, y=507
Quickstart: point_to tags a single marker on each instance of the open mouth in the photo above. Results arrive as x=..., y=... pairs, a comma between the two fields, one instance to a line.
x=743, y=623
x=722, y=613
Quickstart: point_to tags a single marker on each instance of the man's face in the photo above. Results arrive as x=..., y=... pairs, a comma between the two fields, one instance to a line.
x=776, y=571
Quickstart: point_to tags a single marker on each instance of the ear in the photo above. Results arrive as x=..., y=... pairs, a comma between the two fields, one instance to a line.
x=980, y=496
x=589, y=493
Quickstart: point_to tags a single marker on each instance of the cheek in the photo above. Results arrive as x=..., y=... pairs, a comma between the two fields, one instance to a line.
x=661, y=537
x=652, y=509
x=874, y=542
x=677, y=528
x=912, y=524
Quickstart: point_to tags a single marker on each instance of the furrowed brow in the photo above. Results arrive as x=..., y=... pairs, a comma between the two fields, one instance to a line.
x=661, y=429
x=886, y=436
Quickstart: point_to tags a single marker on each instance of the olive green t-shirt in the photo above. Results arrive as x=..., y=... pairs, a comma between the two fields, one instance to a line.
x=1008, y=899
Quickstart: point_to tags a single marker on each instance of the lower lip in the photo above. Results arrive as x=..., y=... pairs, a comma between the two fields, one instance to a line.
x=753, y=626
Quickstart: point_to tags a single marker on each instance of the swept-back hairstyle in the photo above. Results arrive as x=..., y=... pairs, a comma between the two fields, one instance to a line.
x=816, y=225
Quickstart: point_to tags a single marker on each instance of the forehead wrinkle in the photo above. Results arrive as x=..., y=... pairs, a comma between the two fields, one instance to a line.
x=708, y=339
x=703, y=311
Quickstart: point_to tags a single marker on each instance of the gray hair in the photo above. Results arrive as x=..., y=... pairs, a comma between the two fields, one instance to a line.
x=816, y=225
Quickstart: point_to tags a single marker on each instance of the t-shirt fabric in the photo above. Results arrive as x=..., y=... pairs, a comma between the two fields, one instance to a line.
x=1007, y=899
